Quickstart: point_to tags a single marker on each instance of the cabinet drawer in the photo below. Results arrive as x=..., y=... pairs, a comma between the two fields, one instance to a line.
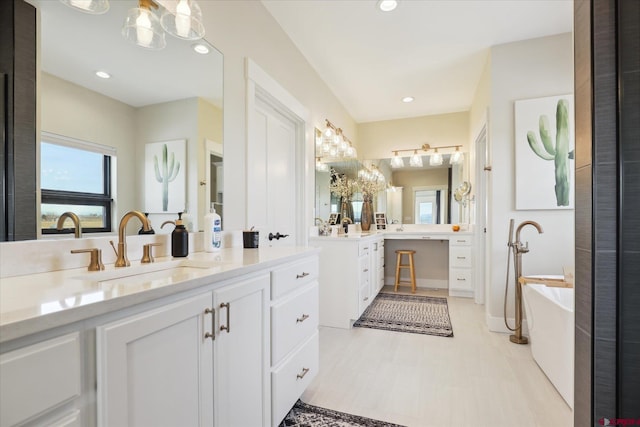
x=39, y=377
x=364, y=248
x=460, y=279
x=457, y=240
x=292, y=276
x=364, y=298
x=460, y=256
x=292, y=321
x=289, y=381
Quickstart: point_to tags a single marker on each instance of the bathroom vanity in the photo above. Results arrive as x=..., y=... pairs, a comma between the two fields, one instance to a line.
x=224, y=339
x=352, y=268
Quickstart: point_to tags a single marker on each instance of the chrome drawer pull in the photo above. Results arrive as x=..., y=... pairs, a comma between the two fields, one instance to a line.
x=365, y=270
x=461, y=241
x=304, y=372
x=228, y=326
x=365, y=298
x=461, y=280
x=211, y=334
x=426, y=237
x=302, y=319
x=462, y=257
x=300, y=276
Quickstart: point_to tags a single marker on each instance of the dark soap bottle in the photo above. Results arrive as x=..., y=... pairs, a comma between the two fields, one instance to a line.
x=179, y=239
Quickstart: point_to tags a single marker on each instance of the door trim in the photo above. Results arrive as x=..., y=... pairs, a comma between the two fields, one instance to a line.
x=262, y=86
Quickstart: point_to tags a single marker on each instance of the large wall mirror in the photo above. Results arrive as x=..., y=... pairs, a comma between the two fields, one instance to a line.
x=410, y=195
x=152, y=96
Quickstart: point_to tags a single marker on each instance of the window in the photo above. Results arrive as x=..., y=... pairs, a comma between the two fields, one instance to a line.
x=75, y=176
x=430, y=205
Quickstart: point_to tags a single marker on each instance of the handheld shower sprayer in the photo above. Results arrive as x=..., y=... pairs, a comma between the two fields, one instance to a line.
x=518, y=249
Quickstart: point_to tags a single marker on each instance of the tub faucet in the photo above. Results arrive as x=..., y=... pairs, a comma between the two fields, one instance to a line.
x=76, y=223
x=520, y=248
x=121, y=253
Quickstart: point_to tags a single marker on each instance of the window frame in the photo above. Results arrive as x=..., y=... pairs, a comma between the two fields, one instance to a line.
x=77, y=198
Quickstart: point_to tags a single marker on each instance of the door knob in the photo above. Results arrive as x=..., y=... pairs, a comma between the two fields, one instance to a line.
x=277, y=236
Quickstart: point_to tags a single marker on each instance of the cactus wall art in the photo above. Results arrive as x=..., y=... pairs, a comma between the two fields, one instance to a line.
x=165, y=177
x=544, y=153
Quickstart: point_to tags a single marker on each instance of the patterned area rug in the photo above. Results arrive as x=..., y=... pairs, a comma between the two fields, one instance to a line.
x=304, y=415
x=416, y=314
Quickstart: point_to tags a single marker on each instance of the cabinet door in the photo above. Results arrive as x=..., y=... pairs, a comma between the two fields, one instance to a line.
x=241, y=354
x=155, y=368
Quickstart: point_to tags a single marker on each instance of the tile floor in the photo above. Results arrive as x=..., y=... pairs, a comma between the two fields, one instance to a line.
x=477, y=378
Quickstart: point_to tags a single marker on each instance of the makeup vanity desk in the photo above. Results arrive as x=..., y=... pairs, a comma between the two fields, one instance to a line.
x=352, y=268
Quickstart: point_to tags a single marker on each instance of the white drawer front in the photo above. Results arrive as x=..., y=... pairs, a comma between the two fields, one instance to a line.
x=292, y=321
x=457, y=240
x=364, y=248
x=39, y=377
x=460, y=256
x=290, y=380
x=293, y=276
x=460, y=279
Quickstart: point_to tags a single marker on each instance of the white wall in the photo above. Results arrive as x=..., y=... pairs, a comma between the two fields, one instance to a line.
x=244, y=29
x=377, y=139
x=527, y=69
x=73, y=111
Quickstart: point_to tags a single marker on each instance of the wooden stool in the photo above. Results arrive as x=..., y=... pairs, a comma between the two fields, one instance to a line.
x=400, y=265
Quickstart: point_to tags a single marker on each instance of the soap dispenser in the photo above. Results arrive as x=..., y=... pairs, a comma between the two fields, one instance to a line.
x=179, y=239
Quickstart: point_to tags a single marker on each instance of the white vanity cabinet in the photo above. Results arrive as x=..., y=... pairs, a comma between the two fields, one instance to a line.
x=294, y=333
x=461, y=265
x=349, y=268
x=41, y=383
x=156, y=367
x=378, y=264
x=198, y=361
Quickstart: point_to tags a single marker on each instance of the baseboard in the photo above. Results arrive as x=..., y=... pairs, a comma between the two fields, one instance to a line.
x=421, y=283
x=496, y=324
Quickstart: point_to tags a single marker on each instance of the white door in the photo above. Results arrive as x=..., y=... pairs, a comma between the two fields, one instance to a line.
x=272, y=178
x=240, y=355
x=156, y=368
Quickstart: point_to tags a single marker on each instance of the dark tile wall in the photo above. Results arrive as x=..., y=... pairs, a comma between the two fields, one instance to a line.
x=607, y=93
x=629, y=129
x=18, y=65
x=583, y=219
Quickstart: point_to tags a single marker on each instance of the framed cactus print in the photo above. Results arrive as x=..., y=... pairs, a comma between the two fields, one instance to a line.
x=165, y=176
x=544, y=153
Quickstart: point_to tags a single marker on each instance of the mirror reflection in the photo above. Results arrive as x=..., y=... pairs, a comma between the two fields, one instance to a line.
x=406, y=195
x=150, y=96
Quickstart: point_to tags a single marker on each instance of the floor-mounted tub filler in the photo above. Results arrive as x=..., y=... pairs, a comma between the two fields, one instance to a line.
x=550, y=319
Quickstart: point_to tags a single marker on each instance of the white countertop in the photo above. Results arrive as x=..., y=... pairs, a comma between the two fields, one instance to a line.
x=35, y=302
x=409, y=233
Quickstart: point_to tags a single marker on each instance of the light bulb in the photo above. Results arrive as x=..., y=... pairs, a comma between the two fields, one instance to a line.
x=415, y=160
x=143, y=28
x=397, y=162
x=183, y=18
x=81, y=4
x=435, y=159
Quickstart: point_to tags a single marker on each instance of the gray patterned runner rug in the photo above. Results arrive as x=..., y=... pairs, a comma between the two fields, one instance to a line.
x=304, y=415
x=416, y=314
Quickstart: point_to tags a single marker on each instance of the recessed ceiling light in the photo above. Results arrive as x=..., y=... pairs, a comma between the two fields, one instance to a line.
x=103, y=74
x=201, y=48
x=387, y=5
x=407, y=99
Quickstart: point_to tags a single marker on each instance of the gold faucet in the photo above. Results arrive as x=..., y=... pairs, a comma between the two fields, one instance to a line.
x=76, y=223
x=122, y=260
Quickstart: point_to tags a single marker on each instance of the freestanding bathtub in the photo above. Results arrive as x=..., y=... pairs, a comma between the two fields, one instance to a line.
x=550, y=319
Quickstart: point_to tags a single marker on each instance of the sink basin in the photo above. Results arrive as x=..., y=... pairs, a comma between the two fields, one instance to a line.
x=112, y=273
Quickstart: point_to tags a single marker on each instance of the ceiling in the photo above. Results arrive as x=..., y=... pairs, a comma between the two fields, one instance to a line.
x=139, y=77
x=433, y=50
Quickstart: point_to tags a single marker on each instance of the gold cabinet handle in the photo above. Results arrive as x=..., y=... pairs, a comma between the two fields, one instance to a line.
x=227, y=328
x=302, y=319
x=211, y=334
x=303, y=373
x=300, y=276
